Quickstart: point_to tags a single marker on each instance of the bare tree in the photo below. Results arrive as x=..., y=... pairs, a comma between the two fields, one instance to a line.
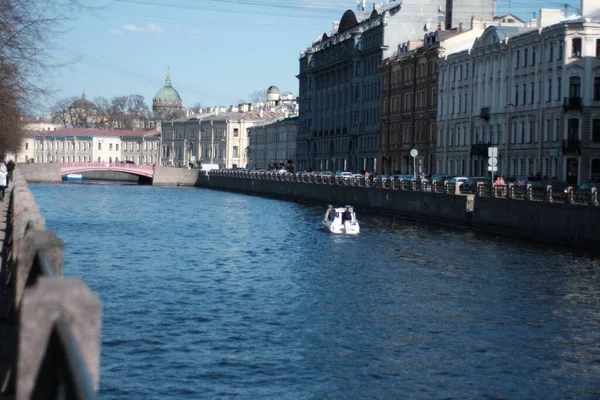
x=60, y=110
x=26, y=27
x=102, y=119
x=258, y=96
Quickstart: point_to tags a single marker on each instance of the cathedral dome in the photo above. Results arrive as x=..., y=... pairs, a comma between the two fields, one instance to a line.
x=83, y=104
x=167, y=95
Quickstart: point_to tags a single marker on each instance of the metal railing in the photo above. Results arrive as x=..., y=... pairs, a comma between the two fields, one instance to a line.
x=543, y=193
x=57, y=320
x=113, y=164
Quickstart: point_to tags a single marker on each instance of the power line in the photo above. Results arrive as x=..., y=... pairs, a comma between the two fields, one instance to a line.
x=112, y=67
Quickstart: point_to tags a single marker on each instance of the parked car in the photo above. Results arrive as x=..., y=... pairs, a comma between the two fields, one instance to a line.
x=470, y=185
x=345, y=175
x=380, y=179
x=589, y=186
x=460, y=180
x=529, y=180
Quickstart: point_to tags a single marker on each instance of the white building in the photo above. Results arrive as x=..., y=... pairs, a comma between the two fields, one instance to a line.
x=91, y=145
x=219, y=137
x=273, y=145
x=532, y=92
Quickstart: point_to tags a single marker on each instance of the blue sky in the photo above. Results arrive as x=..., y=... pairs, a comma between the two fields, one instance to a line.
x=218, y=51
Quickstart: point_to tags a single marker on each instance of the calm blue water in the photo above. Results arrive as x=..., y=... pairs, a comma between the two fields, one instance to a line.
x=213, y=294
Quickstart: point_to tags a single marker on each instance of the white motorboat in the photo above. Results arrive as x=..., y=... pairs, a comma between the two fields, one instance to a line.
x=73, y=177
x=341, y=220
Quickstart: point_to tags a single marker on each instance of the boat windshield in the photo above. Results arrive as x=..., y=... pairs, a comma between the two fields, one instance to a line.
x=346, y=216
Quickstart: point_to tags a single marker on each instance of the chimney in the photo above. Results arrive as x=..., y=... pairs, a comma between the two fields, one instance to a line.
x=448, y=18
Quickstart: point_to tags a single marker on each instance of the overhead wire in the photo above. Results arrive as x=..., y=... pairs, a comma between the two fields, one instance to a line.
x=111, y=66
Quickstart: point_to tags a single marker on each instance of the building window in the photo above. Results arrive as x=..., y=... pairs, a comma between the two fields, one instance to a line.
x=26, y=146
x=518, y=59
x=558, y=88
x=596, y=130
x=597, y=47
x=117, y=147
x=524, y=93
x=549, y=98
x=573, y=129
x=99, y=146
x=525, y=58
x=531, y=100
x=236, y=132
x=597, y=89
x=576, y=47
x=516, y=95
x=595, y=171
x=533, y=56
x=574, y=86
x=110, y=146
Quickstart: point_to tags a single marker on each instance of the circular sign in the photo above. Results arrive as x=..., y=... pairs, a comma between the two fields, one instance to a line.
x=414, y=153
x=492, y=161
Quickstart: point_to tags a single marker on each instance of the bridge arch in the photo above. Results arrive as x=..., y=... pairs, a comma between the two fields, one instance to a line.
x=133, y=169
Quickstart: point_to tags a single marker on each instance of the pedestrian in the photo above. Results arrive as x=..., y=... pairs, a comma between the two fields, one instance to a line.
x=10, y=167
x=3, y=180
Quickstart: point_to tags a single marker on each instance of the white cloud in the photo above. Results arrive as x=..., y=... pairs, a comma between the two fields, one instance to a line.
x=132, y=28
x=154, y=28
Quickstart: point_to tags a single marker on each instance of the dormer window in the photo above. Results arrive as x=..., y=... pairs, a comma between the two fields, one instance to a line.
x=576, y=47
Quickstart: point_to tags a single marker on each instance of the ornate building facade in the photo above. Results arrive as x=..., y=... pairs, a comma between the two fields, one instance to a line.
x=218, y=137
x=273, y=145
x=533, y=93
x=92, y=145
x=340, y=82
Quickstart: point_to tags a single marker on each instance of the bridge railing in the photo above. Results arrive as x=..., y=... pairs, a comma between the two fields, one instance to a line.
x=512, y=191
x=53, y=322
x=107, y=165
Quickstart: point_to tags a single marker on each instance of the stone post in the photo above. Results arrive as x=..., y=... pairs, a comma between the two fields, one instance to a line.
x=42, y=306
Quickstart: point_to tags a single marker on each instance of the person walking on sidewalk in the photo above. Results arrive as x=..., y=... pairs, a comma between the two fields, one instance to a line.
x=3, y=180
x=10, y=166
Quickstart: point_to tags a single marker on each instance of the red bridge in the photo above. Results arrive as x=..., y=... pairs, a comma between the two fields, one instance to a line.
x=134, y=169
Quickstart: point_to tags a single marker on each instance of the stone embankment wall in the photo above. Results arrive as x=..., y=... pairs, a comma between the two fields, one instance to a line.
x=167, y=176
x=441, y=208
x=41, y=172
x=566, y=224
x=48, y=323
x=558, y=223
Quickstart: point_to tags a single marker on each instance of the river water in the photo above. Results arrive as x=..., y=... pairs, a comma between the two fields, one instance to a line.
x=212, y=294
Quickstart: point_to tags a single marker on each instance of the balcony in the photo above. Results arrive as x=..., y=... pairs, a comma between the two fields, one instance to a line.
x=485, y=113
x=480, y=149
x=572, y=103
x=571, y=146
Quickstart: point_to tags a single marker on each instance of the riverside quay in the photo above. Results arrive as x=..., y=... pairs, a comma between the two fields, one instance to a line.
x=560, y=215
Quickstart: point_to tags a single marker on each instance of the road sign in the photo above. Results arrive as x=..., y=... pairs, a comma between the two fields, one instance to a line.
x=492, y=161
x=414, y=153
x=492, y=152
x=493, y=169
